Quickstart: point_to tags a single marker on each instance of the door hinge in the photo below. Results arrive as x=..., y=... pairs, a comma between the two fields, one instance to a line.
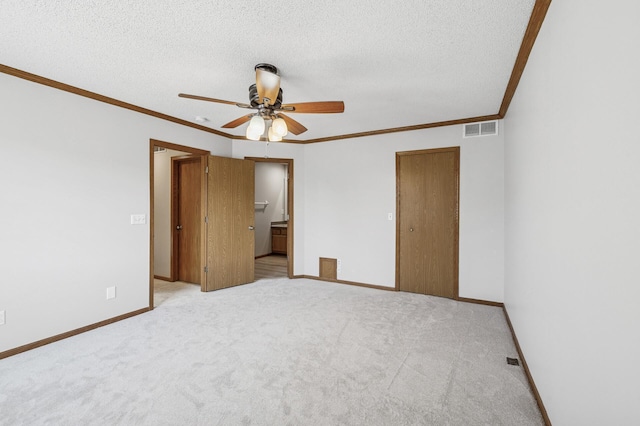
x=206, y=219
x=206, y=269
x=206, y=169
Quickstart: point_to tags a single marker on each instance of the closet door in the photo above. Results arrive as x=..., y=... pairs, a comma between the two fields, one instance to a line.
x=427, y=221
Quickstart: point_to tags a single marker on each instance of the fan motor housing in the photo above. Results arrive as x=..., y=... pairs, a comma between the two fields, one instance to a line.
x=253, y=97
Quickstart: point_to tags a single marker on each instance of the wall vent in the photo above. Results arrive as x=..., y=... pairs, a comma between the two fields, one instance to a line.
x=487, y=128
x=328, y=269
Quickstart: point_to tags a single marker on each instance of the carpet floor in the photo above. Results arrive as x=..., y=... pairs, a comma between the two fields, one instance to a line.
x=278, y=352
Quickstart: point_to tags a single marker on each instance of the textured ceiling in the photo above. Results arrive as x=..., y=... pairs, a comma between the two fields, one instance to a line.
x=393, y=63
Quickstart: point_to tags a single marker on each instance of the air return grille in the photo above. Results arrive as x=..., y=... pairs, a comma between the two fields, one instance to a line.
x=487, y=128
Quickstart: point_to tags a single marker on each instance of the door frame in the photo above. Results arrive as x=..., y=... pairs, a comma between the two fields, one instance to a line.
x=203, y=191
x=399, y=154
x=290, y=209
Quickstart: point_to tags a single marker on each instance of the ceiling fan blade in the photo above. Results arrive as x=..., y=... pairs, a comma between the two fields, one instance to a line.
x=220, y=101
x=327, y=107
x=238, y=121
x=293, y=126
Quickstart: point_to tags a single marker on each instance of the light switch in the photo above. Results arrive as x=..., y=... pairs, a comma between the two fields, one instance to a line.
x=2, y=317
x=390, y=216
x=138, y=219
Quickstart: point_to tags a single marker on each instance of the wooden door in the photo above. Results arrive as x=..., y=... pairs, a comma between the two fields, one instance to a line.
x=186, y=221
x=427, y=221
x=230, y=222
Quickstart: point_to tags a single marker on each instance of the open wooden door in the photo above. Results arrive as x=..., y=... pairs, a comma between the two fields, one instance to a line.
x=230, y=223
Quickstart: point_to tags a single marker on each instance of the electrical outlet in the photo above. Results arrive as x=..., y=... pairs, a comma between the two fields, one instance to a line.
x=2, y=317
x=138, y=219
x=339, y=266
x=111, y=293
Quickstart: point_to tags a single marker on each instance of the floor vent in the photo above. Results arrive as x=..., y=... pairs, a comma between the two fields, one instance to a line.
x=487, y=128
x=512, y=361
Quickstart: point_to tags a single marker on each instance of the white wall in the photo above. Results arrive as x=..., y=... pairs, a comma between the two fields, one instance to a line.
x=271, y=187
x=73, y=171
x=162, y=211
x=351, y=187
x=572, y=207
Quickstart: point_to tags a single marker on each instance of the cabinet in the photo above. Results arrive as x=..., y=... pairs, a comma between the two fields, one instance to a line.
x=279, y=240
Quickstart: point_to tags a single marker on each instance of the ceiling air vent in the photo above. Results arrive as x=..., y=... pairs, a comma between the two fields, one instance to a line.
x=487, y=128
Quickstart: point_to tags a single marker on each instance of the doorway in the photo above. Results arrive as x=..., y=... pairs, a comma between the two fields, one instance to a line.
x=160, y=235
x=274, y=217
x=427, y=226
x=226, y=237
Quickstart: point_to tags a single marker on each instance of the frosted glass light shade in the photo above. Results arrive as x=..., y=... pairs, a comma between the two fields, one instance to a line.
x=279, y=127
x=268, y=85
x=255, y=128
x=256, y=125
x=252, y=135
x=273, y=137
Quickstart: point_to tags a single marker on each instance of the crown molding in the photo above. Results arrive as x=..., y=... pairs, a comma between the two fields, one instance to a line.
x=406, y=128
x=533, y=28
x=98, y=97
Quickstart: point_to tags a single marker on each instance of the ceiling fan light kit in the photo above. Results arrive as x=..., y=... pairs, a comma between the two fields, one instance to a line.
x=265, y=96
x=275, y=132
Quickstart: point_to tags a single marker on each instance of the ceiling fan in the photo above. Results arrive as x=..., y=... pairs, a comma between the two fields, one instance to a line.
x=265, y=96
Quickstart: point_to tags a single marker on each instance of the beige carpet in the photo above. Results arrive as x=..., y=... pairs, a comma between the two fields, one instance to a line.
x=278, y=352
